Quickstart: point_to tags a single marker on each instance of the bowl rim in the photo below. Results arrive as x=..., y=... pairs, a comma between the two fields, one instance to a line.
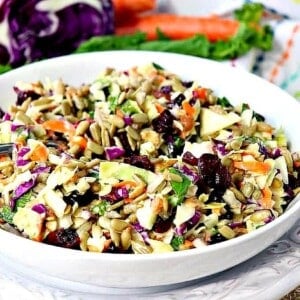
x=154, y=256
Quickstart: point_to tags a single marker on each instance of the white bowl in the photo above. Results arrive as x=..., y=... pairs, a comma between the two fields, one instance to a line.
x=93, y=271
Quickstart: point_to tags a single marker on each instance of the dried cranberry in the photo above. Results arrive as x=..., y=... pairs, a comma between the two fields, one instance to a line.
x=222, y=177
x=164, y=122
x=215, y=195
x=228, y=214
x=23, y=95
x=187, y=84
x=166, y=89
x=178, y=100
x=125, y=143
x=216, y=238
x=208, y=164
x=66, y=238
x=140, y=161
x=293, y=181
x=162, y=225
x=2, y=112
x=113, y=249
x=213, y=173
x=81, y=199
x=189, y=158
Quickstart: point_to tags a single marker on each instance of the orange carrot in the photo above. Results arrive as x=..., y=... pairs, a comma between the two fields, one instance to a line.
x=80, y=141
x=128, y=200
x=124, y=9
x=201, y=94
x=266, y=200
x=186, y=245
x=39, y=153
x=124, y=183
x=187, y=122
x=180, y=27
x=3, y=157
x=61, y=126
x=119, y=113
x=159, y=108
x=253, y=166
x=188, y=108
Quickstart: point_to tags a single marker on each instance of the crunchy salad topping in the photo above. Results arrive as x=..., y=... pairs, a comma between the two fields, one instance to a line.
x=139, y=161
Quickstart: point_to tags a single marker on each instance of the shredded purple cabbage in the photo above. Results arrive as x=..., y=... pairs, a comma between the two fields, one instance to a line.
x=220, y=147
x=180, y=230
x=39, y=208
x=41, y=169
x=128, y=120
x=114, y=152
x=141, y=230
x=191, y=174
x=194, y=219
x=121, y=193
x=6, y=116
x=22, y=189
x=20, y=160
x=15, y=127
x=41, y=29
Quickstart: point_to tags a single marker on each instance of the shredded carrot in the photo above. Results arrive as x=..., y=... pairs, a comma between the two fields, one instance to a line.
x=266, y=200
x=188, y=108
x=3, y=157
x=157, y=205
x=80, y=141
x=201, y=94
x=253, y=166
x=125, y=183
x=39, y=153
x=61, y=126
x=159, y=108
x=180, y=27
x=186, y=245
x=119, y=113
x=127, y=200
x=187, y=122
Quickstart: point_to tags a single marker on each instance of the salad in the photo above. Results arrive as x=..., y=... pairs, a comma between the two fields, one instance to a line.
x=139, y=161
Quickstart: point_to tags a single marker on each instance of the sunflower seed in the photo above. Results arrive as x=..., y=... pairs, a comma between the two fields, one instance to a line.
x=82, y=127
x=96, y=133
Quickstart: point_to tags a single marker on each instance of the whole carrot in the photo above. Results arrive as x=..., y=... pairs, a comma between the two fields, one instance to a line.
x=125, y=9
x=177, y=27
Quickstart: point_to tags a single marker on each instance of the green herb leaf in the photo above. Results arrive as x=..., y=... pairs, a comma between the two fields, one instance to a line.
x=180, y=188
x=130, y=107
x=113, y=102
x=100, y=208
x=21, y=202
x=178, y=142
x=224, y=102
x=176, y=242
x=259, y=117
x=157, y=66
x=6, y=214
